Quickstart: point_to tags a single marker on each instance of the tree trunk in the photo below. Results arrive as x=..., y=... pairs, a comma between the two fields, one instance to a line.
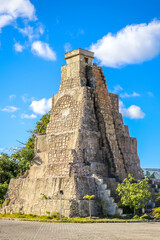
x=90, y=208
x=134, y=211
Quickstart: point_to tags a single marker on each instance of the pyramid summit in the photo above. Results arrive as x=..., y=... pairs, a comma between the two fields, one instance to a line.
x=86, y=150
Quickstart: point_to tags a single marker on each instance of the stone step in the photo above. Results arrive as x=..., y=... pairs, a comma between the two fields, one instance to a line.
x=109, y=201
x=104, y=194
x=109, y=207
x=103, y=186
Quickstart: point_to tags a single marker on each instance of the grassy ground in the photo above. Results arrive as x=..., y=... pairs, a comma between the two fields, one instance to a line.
x=56, y=218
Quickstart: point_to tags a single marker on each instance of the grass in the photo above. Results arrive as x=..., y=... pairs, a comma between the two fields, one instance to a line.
x=56, y=218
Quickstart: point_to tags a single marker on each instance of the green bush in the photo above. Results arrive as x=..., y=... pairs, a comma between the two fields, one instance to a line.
x=145, y=216
x=55, y=215
x=156, y=213
x=136, y=217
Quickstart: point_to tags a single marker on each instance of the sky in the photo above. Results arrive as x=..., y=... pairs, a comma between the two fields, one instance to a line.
x=125, y=36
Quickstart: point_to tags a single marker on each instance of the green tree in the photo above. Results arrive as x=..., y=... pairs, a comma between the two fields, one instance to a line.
x=21, y=160
x=42, y=124
x=89, y=197
x=8, y=168
x=134, y=194
x=148, y=174
x=3, y=190
x=24, y=156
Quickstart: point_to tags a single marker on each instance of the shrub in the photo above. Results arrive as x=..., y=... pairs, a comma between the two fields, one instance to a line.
x=156, y=213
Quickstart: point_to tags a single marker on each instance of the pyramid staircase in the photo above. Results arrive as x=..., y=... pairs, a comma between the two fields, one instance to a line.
x=108, y=204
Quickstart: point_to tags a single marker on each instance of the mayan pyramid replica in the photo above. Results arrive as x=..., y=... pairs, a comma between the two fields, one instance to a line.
x=86, y=149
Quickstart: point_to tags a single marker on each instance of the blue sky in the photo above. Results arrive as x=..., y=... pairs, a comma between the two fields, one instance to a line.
x=125, y=36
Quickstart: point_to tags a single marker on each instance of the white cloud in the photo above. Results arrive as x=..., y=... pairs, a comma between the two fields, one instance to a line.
x=31, y=32
x=5, y=20
x=10, y=109
x=117, y=88
x=18, y=47
x=27, y=31
x=13, y=116
x=42, y=106
x=126, y=95
x=10, y=10
x=131, y=45
x=43, y=50
x=25, y=98
x=133, y=112
x=67, y=47
x=11, y=97
x=32, y=116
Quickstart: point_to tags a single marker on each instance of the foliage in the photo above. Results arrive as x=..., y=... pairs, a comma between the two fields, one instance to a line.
x=87, y=163
x=135, y=217
x=156, y=213
x=145, y=217
x=3, y=190
x=8, y=168
x=20, y=161
x=134, y=194
x=43, y=196
x=25, y=155
x=158, y=197
x=56, y=218
x=148, y=174
x=89, y=197
x=24, y=159
x=42, y=124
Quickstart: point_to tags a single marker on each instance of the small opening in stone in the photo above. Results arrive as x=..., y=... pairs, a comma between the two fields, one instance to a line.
x=86, y=60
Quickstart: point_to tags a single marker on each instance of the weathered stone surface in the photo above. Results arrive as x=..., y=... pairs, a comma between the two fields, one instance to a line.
x=85, y=140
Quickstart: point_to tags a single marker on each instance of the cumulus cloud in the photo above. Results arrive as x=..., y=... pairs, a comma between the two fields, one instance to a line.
x=42, y=106
x=10, y=109
x=26, y=116
x=18, y=47
x=10, y=10
x=126, y=95
x=67, y=47
x=133, y=112
x=43, y=50
x=131, y=45
x=5, y=20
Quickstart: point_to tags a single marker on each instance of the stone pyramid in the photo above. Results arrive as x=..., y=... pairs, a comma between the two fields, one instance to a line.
x=86, y=149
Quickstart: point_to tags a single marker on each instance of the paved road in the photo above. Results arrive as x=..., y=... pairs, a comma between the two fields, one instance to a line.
x=15, y=230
